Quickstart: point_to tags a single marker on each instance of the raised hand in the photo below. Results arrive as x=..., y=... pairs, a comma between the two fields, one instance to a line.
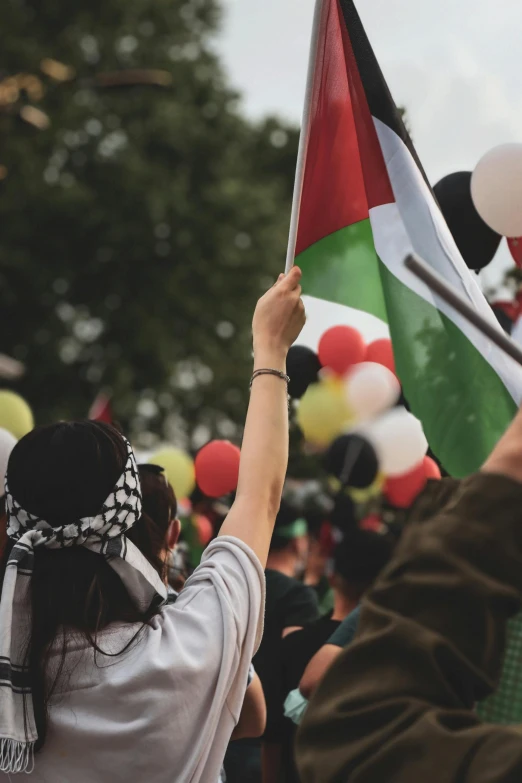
x=279, y=316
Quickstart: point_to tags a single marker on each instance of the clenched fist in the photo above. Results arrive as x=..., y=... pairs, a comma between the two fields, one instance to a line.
x=279, y=316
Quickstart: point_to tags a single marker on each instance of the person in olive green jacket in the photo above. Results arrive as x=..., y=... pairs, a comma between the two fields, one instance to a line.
x=398, y=705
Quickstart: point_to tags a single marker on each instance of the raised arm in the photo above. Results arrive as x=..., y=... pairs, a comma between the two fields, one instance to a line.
x=278, y=320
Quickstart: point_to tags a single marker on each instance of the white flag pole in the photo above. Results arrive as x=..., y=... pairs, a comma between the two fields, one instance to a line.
x=304, y=137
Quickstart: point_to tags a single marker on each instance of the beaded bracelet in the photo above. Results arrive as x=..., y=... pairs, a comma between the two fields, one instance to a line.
x=278, y=374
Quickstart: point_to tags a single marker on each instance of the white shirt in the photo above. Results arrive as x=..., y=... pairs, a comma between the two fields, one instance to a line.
x=164, y=710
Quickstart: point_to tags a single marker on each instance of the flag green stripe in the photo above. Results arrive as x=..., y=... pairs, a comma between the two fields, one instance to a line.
x=343, y=268
x=461, y=401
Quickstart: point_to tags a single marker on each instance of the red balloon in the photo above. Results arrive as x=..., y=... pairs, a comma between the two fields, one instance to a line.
x=515, y=246
x=205, y=529
x=340, y=348
x=401, y=491
x=431, y=468
x=381, y=352
x=217, y=468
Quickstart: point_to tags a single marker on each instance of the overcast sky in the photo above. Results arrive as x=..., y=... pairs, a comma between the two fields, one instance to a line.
x=456, y=65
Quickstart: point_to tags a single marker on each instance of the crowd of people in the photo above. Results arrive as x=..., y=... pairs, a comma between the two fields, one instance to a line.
x=282, y=657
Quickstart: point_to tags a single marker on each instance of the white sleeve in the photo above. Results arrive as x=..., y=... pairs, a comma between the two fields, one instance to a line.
x=227, y=593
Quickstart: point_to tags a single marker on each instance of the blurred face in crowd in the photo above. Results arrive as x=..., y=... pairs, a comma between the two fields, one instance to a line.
x=301, y=545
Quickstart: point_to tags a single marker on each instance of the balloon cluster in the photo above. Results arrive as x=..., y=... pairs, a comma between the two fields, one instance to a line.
x=482, y=206
x=348, y=408
x=475, y=239
x=347, y=381
x=215, y=469
x=496, y=189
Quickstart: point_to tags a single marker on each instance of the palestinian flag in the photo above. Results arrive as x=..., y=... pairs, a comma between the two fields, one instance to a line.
x=366, y=204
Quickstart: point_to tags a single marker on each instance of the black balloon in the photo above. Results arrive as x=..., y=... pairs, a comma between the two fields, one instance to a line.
x=476, y=241
x=302, y=367
x=353, y=461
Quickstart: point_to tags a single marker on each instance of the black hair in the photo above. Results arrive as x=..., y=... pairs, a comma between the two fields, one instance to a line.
x=159, y=508
x=359, y=559
x=62, y=473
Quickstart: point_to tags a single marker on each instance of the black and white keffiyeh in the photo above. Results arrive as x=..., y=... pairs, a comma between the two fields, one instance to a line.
x=103, y=533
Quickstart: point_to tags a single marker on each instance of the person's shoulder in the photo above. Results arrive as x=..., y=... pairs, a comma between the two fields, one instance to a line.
x=299, y=639
x=280, y=587
x=276, y=578
x=320, y=629
x=291, y=601
x=304, y=593
x=346, y=630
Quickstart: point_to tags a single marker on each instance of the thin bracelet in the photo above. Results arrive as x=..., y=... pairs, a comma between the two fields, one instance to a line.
x=277, y=373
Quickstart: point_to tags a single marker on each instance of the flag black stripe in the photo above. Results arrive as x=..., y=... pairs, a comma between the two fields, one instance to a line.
x=378, y=95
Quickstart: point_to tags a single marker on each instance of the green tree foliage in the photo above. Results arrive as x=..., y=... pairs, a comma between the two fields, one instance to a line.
x=140, y=226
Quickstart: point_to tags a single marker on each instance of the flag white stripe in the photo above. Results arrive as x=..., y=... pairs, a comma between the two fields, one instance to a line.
x=414, y=222
x=322, y=315
x=516, y=334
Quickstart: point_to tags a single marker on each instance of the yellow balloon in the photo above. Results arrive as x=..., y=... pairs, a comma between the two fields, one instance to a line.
x=15, y=414
x=323, y=412
x=179, y=470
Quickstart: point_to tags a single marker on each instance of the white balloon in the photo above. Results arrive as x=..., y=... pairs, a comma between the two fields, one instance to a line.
x=7, y=444
x=371, y=389
x=496, y=189
x=399, y=441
